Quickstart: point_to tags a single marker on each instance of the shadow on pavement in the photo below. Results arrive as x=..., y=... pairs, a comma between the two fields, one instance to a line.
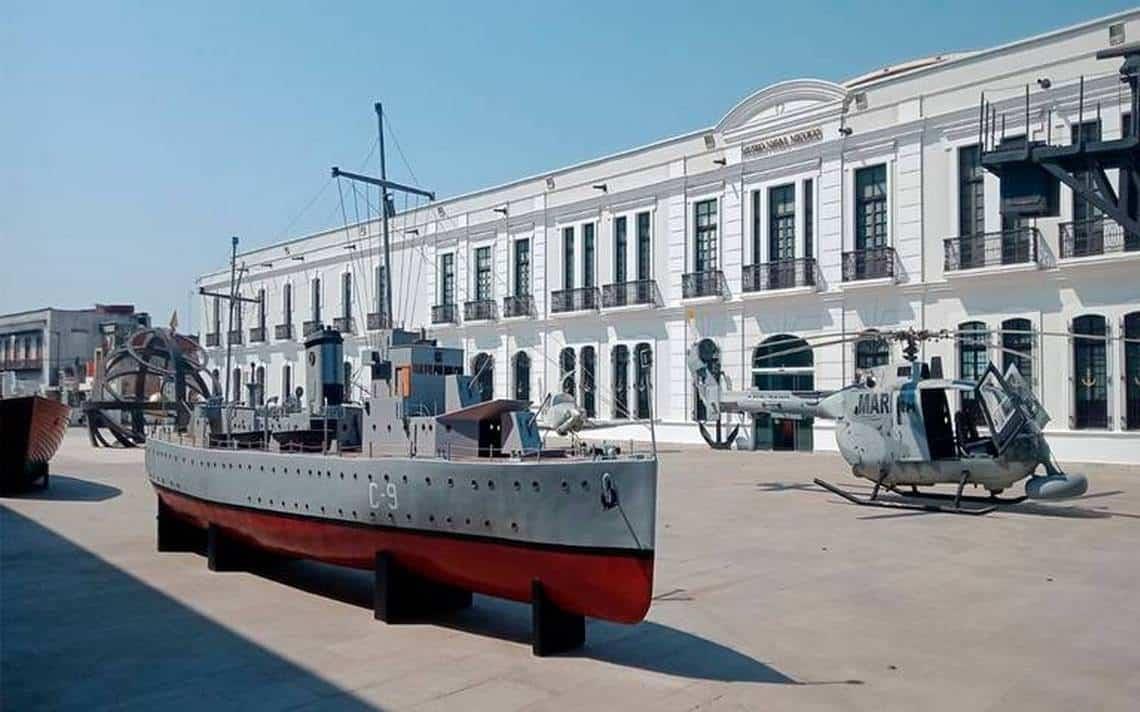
x=648, y=645
x=79, y=633
x=62, y=488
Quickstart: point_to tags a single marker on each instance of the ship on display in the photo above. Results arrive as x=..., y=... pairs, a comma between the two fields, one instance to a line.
x=439, y=493
x=31, y=430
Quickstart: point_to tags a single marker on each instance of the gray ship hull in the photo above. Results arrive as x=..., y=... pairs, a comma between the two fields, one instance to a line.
x=583, y=527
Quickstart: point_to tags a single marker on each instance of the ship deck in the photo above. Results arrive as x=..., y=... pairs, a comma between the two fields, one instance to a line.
x=770, y=594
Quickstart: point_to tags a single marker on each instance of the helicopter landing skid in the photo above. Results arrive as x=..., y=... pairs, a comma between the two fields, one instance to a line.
x=954, y=508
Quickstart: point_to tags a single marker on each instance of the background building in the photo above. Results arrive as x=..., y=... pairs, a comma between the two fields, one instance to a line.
x=45, y=350
x=811, y=207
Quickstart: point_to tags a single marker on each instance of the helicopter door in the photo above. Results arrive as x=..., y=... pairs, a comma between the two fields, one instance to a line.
x=1001, y=407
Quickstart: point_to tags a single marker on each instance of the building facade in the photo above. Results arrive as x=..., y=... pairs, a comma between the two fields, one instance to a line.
x=811, y=208
x=45, y=350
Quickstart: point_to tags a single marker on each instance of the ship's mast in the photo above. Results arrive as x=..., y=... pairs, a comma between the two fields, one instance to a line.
x=384, y=218
x=235, y=300
x=385, y=206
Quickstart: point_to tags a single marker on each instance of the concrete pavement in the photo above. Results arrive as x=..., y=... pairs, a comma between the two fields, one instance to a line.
x=771, y=594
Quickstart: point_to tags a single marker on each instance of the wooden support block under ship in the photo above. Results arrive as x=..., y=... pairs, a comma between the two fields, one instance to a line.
x=439, y=494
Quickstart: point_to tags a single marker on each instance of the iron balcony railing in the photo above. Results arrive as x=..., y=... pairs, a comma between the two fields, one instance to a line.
x=480, y=310
x=703, y=284
x=344, y=324
x=213, y=339
x=781, y=274
x=572, y=300
x=234, y=336
x=1096, y=237
x=518, y=305
x=640, y=291
x=444, y=314
x=871, y=263
x=257, y=334
x=1005, y=247
x=311, y=327
x=283, y=332
x=378, y=320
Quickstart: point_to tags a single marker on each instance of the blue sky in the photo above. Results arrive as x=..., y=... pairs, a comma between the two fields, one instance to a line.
x=136, y=138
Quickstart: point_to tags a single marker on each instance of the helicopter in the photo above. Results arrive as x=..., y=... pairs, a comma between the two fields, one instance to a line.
x=895, y=427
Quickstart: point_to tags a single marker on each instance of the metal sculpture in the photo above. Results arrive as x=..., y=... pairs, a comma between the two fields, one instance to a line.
x=156, y=374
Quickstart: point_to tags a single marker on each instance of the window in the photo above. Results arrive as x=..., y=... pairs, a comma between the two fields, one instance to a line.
x=568, y=258
x=620, y=359
x=620, y=241
x=589, y=372
x=1132, y=371
x=781, y=223
x=447, y=279
x=973, y=358
x=871, y=351
x=261, y=311
x=567, y=365
x=235, y=387
x=483, y=376
x=588, y=255
x=217, y=318
x=259, y=379
x=381, y=290
x=1090, y=372
x=809, y=218
x=316, y=301
x=522, y=376
x=1017, y=345
x=348, y=381
x=483, y=273
x=705, y=232
x=346, y=295
x=644, y=247
x=643, y=367
x=971, y=192
x=522, y=268
x=871, y=207
x=287, y=304
x=286, y=383
x=1088, y=230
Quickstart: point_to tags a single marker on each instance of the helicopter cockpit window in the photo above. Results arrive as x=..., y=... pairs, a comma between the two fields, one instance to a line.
x=1001, y=407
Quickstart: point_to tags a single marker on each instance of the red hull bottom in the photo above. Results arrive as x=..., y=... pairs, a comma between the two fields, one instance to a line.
x=615, y=586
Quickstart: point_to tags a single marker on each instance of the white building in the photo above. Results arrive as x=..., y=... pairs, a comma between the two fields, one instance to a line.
x=811, y=207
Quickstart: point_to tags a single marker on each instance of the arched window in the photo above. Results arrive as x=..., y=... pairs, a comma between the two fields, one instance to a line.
x=286, y=383
x=589, y=373
x=973, y=357
x=1132, y=371
x=259, y=379
x=483, y=374
x=522, y=376
x=706, y=346
x=567, y=365
x=643, y=368
x=1090, y=372
x=871, y=351
x=783, y=363
x=1017, y=345
x=619, y=358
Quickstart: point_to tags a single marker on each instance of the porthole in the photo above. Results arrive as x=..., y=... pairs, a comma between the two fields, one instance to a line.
x=342, y=475
x=431, y=517
x=405, y=479
x=487, y=523
x=514, y=526
x=565, y=486
x=534, y=485
x=585, y=485
x=370, y=478
x=474, y=485
x=322, y=508
x=490, y=484
x=450, y=482
x=468, y=520
x=518, y=485
x=385, y=478
x=409, y=516
x=427, y=481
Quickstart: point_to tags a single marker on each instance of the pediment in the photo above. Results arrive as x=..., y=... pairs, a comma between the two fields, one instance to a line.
x=781, y=102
